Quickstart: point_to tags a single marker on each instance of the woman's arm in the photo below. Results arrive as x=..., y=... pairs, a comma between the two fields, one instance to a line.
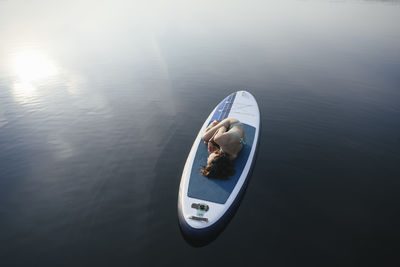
x=218, y=134
x=222, y=137
x=210, y=131
x=215, y=122
x=209, y=134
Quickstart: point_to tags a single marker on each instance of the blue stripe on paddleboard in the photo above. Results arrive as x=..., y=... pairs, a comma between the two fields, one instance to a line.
x=216, y=190
x=224, y=108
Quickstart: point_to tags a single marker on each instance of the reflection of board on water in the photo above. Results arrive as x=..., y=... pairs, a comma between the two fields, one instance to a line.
x=205, y=205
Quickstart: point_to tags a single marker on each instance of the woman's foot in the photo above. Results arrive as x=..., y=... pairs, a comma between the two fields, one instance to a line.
x=215, y=122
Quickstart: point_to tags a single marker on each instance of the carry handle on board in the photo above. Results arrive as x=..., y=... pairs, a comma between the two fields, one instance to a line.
x=198, y=218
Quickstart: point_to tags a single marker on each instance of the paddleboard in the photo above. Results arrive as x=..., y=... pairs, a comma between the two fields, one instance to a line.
x=206, y=205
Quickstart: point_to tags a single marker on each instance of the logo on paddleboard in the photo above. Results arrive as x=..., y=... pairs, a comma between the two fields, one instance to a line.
x=201, y=208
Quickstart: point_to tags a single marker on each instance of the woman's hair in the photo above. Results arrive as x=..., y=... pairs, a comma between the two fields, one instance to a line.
x=221, y=167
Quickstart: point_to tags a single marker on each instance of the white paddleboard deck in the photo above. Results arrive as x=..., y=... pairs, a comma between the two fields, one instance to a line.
x=206, y=205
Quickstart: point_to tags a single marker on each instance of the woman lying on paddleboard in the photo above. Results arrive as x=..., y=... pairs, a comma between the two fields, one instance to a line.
x=225, y=139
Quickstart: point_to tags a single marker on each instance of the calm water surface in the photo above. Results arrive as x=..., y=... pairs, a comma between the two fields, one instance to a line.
x=100, y=102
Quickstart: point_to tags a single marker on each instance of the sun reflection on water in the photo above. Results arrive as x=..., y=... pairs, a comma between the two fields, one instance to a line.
x=30, y=69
